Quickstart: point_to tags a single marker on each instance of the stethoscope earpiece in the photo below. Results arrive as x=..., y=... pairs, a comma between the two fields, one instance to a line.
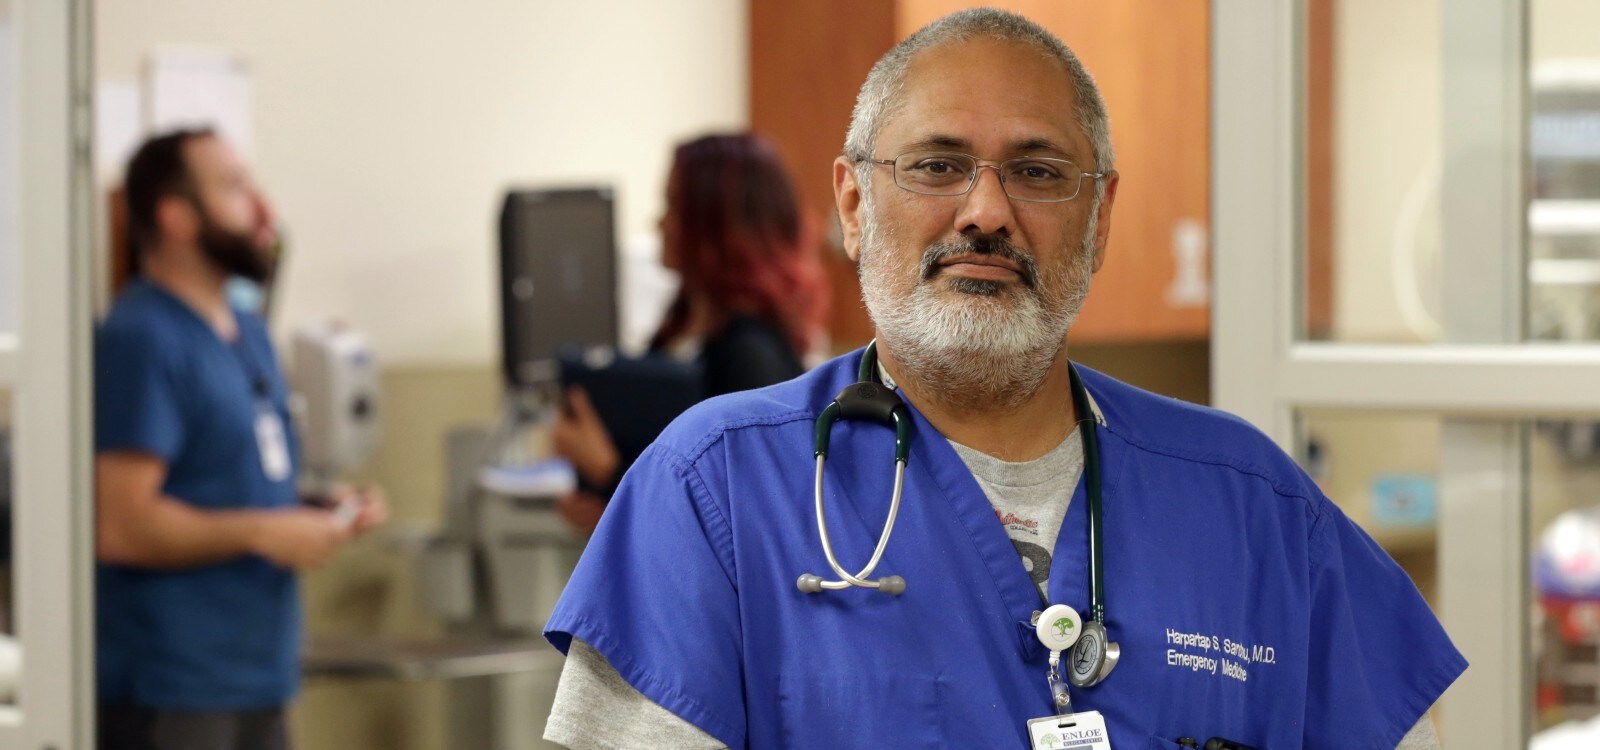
x=867, y=401
x=813, y=584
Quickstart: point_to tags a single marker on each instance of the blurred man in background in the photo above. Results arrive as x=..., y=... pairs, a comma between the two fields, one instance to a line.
x=201, y=529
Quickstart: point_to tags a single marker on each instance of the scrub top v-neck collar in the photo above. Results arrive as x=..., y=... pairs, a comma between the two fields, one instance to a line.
x=932, y=455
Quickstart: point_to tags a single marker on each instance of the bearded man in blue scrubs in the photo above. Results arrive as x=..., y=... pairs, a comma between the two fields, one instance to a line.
x=200, y=528
x=975, y=193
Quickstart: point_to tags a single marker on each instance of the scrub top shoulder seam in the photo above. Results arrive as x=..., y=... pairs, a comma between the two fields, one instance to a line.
x=150, y=340
x=1247, y=469
x=1321, y=536
x=705, y=505
x=722, y=427
x=1126, y=407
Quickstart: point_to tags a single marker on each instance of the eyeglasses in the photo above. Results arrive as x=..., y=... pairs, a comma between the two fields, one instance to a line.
x=1035, y=179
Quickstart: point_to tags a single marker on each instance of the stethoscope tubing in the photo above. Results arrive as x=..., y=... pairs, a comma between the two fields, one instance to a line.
x=1100, y=654
x=1092, y=481
x=859, y=579
x=1095, y=492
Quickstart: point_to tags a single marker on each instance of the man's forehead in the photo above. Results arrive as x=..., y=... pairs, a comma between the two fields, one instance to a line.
x=989, y=94
x=933, y=139
x=210, y=155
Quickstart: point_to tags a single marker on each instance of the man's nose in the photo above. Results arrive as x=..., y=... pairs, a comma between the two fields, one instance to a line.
x=986, y=209
x=266, y=229
x=263, y=209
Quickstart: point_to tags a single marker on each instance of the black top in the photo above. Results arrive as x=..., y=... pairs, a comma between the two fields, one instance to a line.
x=749, y=353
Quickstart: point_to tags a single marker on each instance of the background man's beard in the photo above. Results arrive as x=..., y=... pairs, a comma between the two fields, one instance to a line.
x=973, y=342
x=236, y=253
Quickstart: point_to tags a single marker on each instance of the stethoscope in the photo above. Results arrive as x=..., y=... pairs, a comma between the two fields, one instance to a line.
x=1093, y=654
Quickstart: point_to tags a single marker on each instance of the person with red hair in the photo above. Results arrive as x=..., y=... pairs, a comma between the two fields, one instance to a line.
x=752, y=298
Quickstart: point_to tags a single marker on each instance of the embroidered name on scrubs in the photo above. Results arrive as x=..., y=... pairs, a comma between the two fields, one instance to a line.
x=1199, y=652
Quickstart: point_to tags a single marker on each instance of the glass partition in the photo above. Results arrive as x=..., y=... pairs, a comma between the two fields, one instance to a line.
x=1388, y=472
x=1564, y=155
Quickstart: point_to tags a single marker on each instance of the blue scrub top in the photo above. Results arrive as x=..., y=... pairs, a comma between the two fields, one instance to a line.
x=218, y=637
x=1246, y=604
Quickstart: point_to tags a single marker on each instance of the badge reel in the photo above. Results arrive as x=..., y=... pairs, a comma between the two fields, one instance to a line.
x=1090, y=659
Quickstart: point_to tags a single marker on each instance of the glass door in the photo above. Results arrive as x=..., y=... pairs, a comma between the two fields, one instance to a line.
x=1407, y=298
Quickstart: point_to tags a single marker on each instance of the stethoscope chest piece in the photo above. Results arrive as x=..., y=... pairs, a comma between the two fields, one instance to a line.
x=1093, y=656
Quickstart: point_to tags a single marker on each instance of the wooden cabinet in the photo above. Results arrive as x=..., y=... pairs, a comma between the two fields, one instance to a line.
x=1151, y=59
x=807, y=61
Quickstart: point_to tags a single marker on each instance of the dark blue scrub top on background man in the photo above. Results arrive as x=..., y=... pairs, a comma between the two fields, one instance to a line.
x=1247, y=605
x=219, y=637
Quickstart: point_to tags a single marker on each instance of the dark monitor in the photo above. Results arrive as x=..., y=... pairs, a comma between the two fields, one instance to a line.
x=558, y=278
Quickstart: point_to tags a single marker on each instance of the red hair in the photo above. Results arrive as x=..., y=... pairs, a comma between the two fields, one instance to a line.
x=741, y=240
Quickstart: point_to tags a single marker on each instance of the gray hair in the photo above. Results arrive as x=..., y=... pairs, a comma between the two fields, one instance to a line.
x=881, y=94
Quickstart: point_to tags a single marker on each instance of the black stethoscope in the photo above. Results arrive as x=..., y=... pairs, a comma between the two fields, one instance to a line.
x=1093, y=653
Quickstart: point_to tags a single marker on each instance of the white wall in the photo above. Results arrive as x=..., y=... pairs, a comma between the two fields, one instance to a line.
x=386, y=132
x=1563, y=29
x=8, y=174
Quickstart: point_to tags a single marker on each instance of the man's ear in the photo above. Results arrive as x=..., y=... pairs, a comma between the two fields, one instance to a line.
x=177, y=219
x=847, y=197
x=1102, y=229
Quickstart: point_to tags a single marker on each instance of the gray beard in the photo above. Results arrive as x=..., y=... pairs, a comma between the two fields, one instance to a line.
x=970, y=342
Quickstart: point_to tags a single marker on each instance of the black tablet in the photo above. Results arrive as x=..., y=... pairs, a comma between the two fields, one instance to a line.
x=636, y=397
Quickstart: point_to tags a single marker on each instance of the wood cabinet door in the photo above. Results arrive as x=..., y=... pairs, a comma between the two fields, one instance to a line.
x=807, y=61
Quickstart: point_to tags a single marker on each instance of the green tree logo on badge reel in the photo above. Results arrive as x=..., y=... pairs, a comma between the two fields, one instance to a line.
x=1059, y=627
x=1061, y=630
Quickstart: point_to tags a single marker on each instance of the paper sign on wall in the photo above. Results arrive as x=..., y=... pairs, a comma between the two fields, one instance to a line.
x=202, y=89
x=118, y=126
x=1403, y=500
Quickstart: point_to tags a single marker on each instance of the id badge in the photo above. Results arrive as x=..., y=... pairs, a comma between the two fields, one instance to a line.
x=1082, y=731
x=273, y=443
